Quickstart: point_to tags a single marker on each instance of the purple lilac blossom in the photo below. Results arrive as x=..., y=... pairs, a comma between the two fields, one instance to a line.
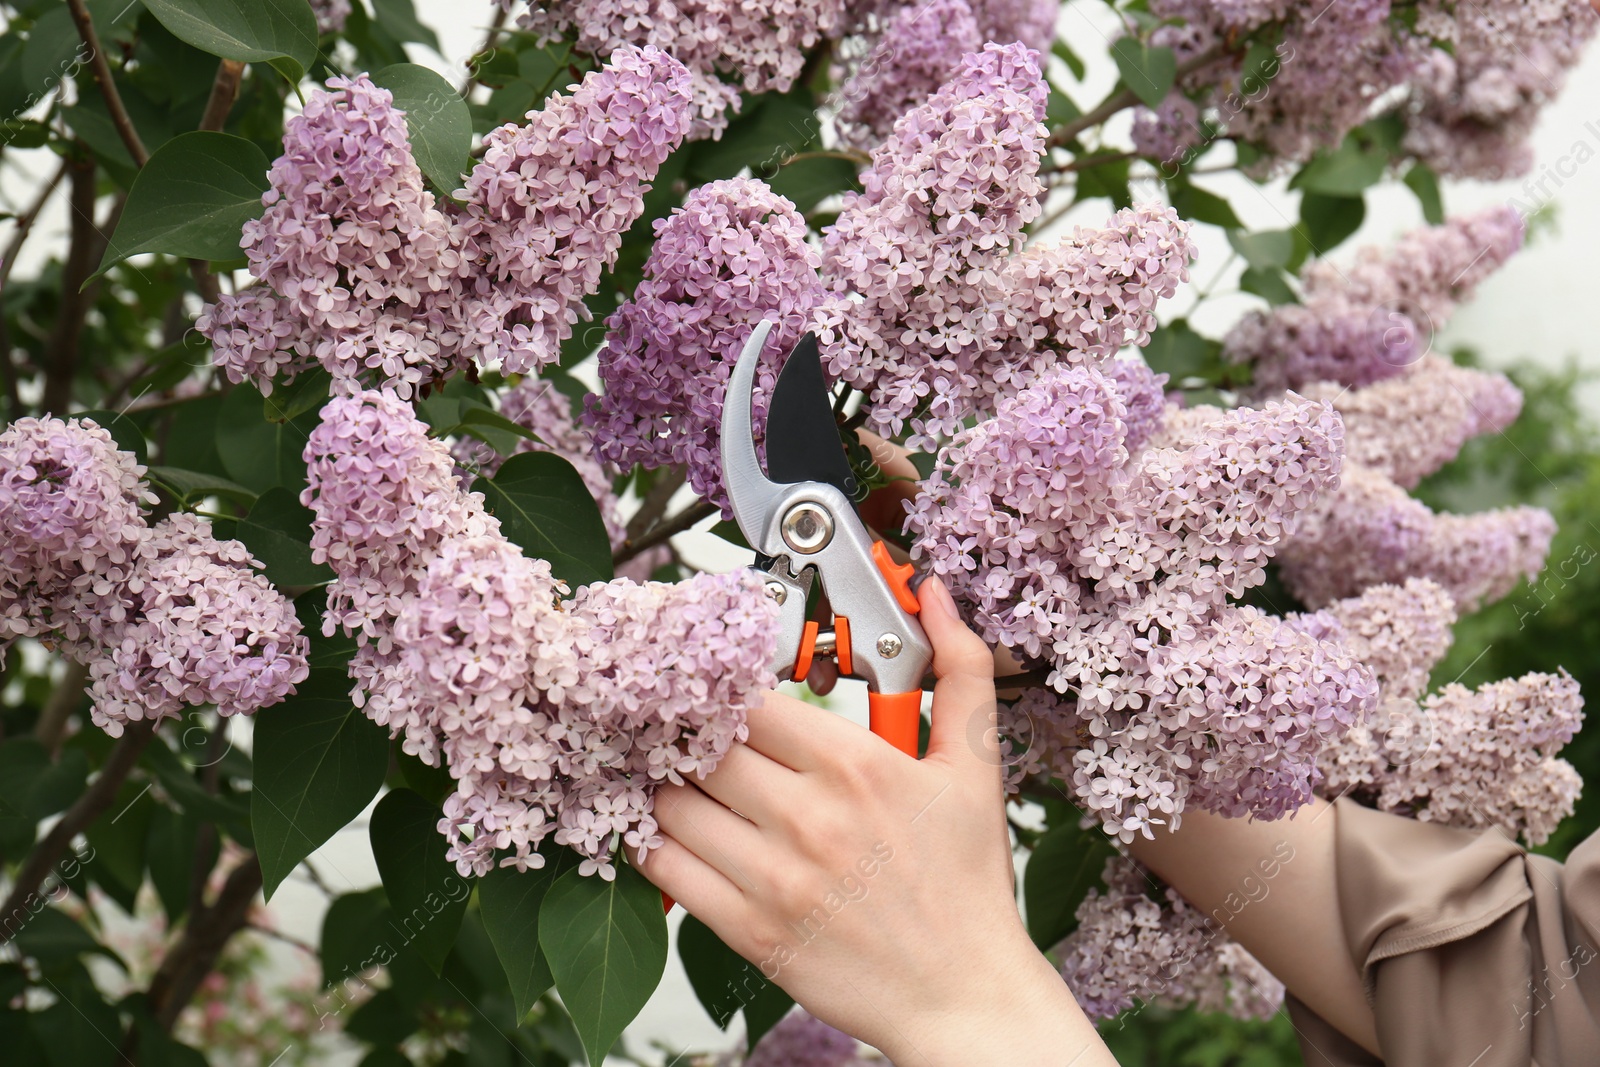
x=1375, y=318
x=1371, y=532
x=763, y=43
x=913, y=261
x=550, y=201
x=1033, y=22
x=1495, y=64
x=920, y=47
x=361, y=270
x=72, y=505
x=734, y=254
x=799, y=1039
x=1135, y=942
x=202, y=628
x=1407, y=427
x=1115, y=574
x=331, y=15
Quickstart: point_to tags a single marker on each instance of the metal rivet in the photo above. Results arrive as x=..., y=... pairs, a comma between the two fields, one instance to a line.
x=807, y=528
x=778, y=592
x=889, y=646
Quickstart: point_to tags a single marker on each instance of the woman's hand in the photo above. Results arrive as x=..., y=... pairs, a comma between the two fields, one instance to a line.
x=876, y=889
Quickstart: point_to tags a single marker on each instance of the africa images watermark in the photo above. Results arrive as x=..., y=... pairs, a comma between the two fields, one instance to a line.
x=52, y=890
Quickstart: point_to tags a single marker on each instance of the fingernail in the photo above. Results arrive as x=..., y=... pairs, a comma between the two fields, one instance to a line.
x=942, y=597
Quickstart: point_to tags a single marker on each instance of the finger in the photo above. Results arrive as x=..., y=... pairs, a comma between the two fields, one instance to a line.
x=796, y=734
x=710, y=831
x=963, y=731
x=748, y=782
x=688, y=879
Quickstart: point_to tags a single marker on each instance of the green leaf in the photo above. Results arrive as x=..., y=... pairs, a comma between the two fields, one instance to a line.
x=386, y=1057
x=1064, y=52
x=1177, y=350
x=770, y=131
x=493, y=428
x=426, y=896
x=543, y=506
x=726, y=983
x=281, y=33
x=812, y=177
x=729, y=531
x=399, y=17
x=1269, y=248
x=1268, y=282
x=129, y=438
x=1348, y=170
x=118, y=838
x=1202, y=206
x=1421, y=179
x=278, y=533
x=259, y=454
x=511, y=902
x=437, y=118
x=1059, y=108
x=1326, y=221
x=1065, y=864
x=174, y=836
x=433, y=784
x=607, y=947
x=318, y=761
x=1149, y=72
x=53, y=938
x=309, y=390
x=74, y=1029
x=189, y=486
x=382, y=1020
x=1106, y=179
x=191, y=199
x=355, y=936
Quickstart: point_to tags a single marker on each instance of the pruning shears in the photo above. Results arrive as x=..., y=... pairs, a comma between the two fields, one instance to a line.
x=799, y=517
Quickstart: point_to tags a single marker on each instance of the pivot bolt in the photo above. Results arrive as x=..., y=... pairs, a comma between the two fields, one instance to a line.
x=889, y=646
x=777, y=591
x=807, y=528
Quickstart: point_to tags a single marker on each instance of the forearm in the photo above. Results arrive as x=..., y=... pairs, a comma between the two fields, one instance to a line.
x=1272, y=885
x=1026, y=1017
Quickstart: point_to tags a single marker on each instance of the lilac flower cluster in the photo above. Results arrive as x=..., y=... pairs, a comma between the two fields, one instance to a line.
x=734, y=254
x=1116, y=574
x=1376, y=318
x=331, y=15
x=1462, y=757
x=914, y=261
x=799, y=1039
x=1130, y=946
x=1032, y=22
x=164, y=617
x=1406, y=428
x=1477, y=97
x=363, y=271
x=554, y=718
x=763, y=43
x=920, y=46
x=201, y=627
x=1467, y=80
x=1371, y=532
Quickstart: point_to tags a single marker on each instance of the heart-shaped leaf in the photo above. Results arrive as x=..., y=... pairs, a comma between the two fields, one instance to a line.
x=543, y=506
x=281, y=33
x=437, y=119
x=427, y=898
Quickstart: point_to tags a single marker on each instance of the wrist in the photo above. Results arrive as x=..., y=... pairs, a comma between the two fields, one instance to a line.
x=1025, y=1017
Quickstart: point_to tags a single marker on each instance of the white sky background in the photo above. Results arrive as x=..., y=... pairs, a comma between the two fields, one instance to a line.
x=1537, y=307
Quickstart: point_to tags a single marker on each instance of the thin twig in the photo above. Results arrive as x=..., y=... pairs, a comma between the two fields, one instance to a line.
x=287, y=939
x=654, y=504
x=700, y=509
x=93, y=803
x=62, y=365
x=25, y=222
x=206, y=837
x=224, y=90
x=1126, y=98
x=64, y=699
x=108, y=88
x=487, y=46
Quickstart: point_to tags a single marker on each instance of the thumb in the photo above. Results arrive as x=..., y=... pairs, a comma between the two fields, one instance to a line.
x=964, y=707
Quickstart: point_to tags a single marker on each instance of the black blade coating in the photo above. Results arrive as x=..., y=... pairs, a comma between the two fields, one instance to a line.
x=803, y=442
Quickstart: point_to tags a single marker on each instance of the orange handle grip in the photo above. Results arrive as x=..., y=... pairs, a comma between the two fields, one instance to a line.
x=895, y=717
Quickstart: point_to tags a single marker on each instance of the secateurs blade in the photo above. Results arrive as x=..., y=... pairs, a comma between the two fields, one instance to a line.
x=798, y=516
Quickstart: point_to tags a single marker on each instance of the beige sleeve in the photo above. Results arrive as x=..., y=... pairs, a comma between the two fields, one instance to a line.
x=1473, y=952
